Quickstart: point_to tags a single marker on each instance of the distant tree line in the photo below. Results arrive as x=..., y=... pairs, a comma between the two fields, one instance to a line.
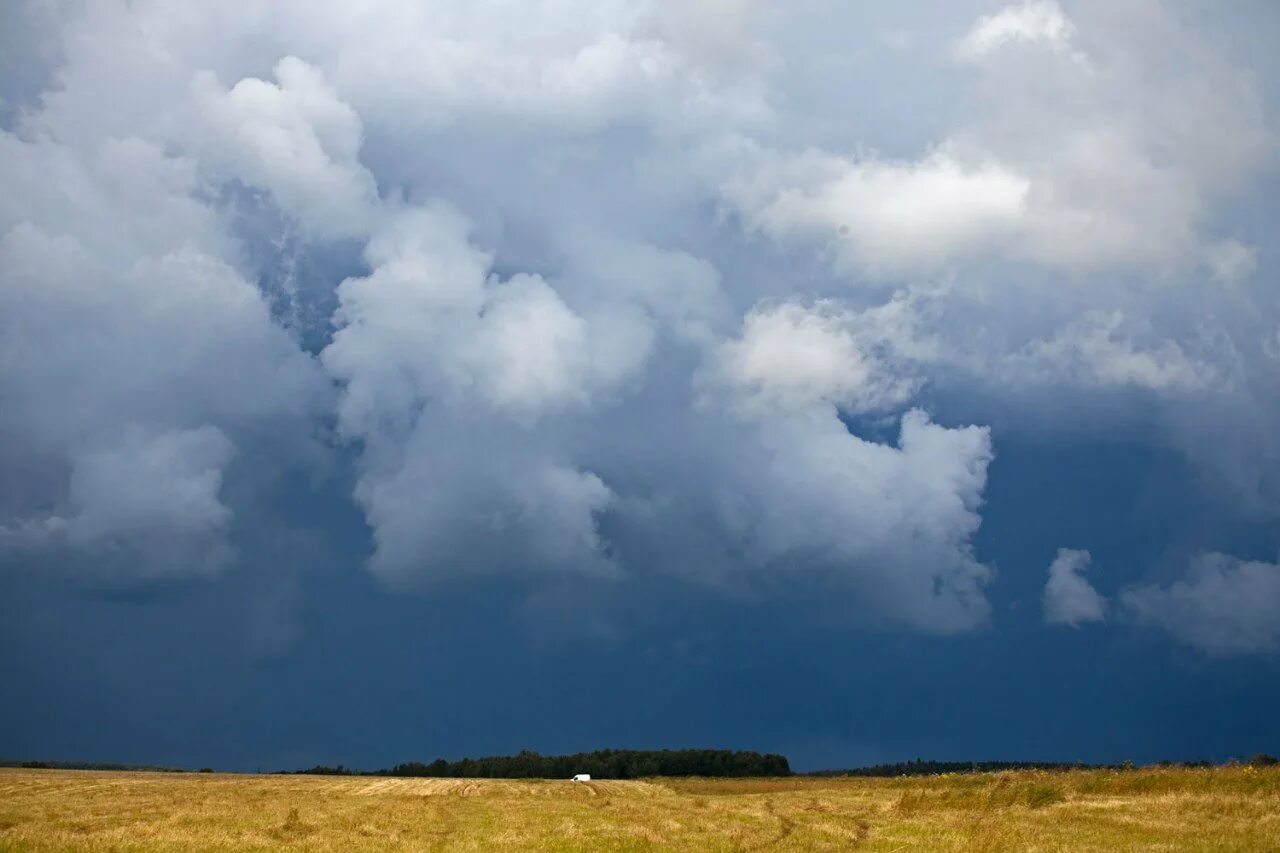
x=601, y=764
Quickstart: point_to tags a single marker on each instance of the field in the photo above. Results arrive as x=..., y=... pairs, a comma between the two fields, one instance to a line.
x=1233, y=808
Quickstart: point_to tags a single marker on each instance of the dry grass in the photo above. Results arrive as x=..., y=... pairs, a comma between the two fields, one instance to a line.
x=1217, y=809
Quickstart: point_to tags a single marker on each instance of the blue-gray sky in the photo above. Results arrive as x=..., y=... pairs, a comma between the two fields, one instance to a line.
x=857, y=381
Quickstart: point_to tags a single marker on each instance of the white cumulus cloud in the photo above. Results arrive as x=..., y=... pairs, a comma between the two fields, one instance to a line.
x=617, y=288
x=295, y=138
x=885, y=216
x=1034, y=21
x=1069, y=599
x=1223, y=605
x=792, y=356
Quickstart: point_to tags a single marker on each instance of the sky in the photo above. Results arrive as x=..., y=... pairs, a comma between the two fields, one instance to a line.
x=857, y=381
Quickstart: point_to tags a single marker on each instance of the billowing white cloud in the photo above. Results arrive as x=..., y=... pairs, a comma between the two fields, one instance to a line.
x=1222, y=606
x=436, y=352
x=1069, y=599
x=530, y=350
x=891, y=522
x=433, y=345
x=431, y=319
x=422, y=270
x=886, y=217
x=558, y=340
x=792, y=356
x=296, y=139
x=1034, y=21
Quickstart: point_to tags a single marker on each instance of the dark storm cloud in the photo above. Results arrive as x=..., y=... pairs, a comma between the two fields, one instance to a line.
x=576, y=313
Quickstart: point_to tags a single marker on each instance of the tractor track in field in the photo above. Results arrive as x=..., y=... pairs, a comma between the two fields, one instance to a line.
x=786, y=826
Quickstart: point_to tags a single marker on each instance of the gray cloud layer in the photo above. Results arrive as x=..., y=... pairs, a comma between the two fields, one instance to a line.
x=628, y=273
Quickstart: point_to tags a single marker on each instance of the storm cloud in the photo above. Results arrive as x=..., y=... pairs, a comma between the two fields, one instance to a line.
x=732, y=299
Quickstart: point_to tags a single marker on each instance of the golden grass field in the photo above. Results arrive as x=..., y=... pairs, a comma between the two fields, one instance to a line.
x=1233, y=808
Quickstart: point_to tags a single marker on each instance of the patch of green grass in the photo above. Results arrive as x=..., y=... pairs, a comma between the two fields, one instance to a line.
x=1039, y=796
